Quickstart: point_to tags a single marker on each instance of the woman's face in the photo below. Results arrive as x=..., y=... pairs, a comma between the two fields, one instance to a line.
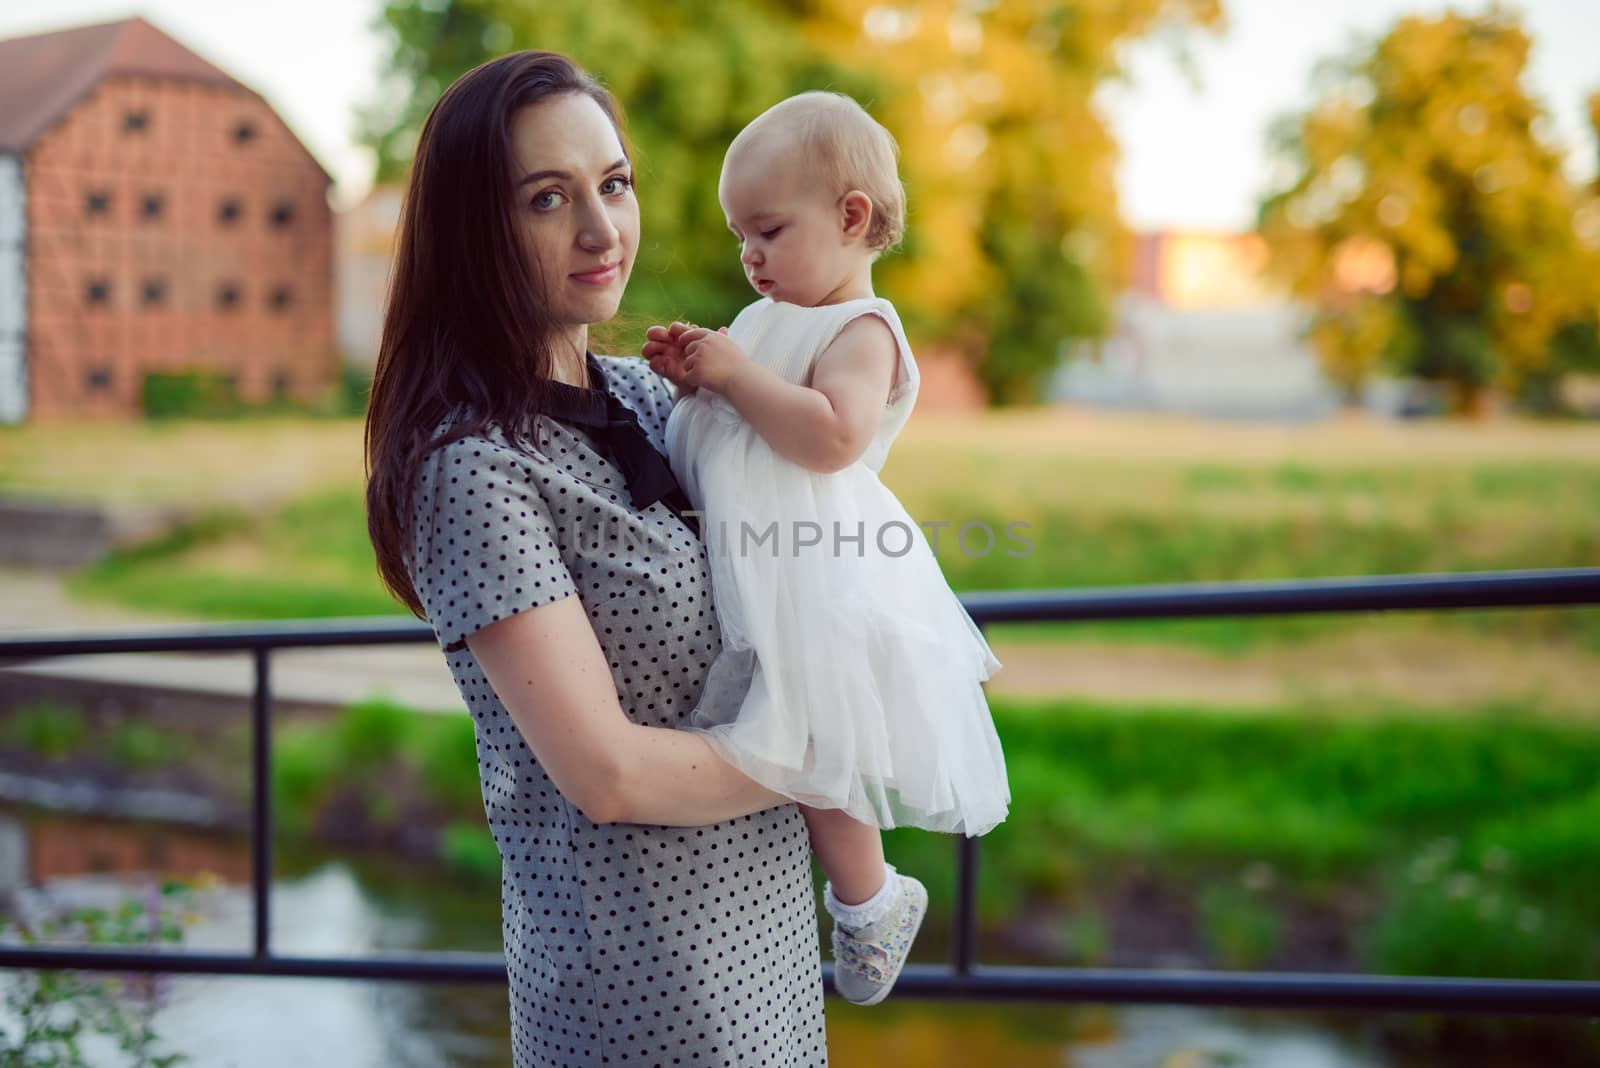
x=579, y=218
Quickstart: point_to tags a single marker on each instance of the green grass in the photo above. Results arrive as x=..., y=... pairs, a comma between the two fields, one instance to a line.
x=311, y=558
x=222, y=463
x=1194, y=788
x=308, y=559
x=1123, y=502
x=1204, y=796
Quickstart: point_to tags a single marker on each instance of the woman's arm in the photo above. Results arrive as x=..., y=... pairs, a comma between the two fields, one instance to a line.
x=827, y=425
x=548, y=669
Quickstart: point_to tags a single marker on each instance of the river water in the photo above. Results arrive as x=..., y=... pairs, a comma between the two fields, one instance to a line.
x=325, y=904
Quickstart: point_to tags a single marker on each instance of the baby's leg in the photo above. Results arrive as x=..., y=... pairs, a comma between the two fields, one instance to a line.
x=876, y=911
x=850, y=853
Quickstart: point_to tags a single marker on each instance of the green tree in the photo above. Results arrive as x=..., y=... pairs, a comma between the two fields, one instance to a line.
x=1427, y=155
x=1013, y=239
x=689, y=76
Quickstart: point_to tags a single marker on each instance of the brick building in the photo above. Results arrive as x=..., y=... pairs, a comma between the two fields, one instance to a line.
x=155, y=215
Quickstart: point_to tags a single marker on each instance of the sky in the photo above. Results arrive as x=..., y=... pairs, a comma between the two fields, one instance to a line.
x=1193, y=154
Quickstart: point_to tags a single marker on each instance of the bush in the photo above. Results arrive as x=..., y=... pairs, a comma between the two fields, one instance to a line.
x=1241, y=926
x=446, y=751
x=368, y=735
x=351, y=391
x=304, y=768
x=1445, y=916
x=141, y=746
x=215, y=395
x=195, y=394
x=47, y=730
x=470, y=852
x=1554, y=850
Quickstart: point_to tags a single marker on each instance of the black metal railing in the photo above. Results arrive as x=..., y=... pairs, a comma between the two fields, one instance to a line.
x=965, y=977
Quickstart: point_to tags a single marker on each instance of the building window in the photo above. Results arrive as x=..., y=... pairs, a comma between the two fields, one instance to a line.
x=98, y=291
x=229, y=211
x=136, y=121
x=151, y=205
x=99, y=379
x=281, y=381
x=244, y=132
x=228, y=295
x=280, y=298
x=282, y=214
x=97, y=204
x=154, y=292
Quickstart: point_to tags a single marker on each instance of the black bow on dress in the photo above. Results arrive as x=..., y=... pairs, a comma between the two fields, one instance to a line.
x=615, y=428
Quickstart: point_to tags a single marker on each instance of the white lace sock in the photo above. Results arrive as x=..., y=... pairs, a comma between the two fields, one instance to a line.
x=869, y=911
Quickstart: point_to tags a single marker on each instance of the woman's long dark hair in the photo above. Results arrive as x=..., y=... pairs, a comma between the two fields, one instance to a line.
x=464, y=321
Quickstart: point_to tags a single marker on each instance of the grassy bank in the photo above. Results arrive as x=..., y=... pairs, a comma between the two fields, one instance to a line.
x=310, y=557
x=1463, y=846
x=1101, y=500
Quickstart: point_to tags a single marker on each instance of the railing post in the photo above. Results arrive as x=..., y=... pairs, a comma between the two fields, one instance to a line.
x=261, y=802
x=964, y=937
x=965, y=940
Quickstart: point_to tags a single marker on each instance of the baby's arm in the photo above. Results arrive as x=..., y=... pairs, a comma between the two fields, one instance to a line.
x=827, y=425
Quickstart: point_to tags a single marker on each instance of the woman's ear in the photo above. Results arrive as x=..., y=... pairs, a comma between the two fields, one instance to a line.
x=855, y=213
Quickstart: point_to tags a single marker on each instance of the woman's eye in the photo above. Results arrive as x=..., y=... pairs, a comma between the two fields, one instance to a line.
x=546, y=200
x=617, y=183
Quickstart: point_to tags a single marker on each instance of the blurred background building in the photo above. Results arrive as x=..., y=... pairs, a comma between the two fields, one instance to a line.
x=155, y=216
x=1201, y=330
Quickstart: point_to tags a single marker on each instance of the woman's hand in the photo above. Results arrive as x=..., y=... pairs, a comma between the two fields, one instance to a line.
x=711, y=358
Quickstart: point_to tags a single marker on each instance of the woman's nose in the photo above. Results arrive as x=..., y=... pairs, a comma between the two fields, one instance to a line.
x=598, y=232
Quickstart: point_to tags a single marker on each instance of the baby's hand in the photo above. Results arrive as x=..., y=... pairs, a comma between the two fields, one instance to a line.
x=710, y=358
x=664, y=350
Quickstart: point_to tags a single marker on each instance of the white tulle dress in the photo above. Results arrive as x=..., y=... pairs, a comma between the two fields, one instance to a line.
x=848, y=678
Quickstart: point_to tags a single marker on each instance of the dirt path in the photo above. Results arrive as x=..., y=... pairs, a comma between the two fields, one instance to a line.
x=1349, y=672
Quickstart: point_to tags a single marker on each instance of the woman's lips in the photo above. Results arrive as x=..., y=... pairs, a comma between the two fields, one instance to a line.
x=599, y=276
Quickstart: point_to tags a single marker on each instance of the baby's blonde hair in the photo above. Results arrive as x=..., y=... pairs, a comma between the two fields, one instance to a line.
x=842, y=145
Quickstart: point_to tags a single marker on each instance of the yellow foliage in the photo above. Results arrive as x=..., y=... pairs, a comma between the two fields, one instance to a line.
x=1430, y=147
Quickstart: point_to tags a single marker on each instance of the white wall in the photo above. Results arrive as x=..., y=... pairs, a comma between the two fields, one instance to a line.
x=13, y=292
x=1227, y=363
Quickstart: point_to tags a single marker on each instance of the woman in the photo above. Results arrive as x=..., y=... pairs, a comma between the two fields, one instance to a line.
x=657, y=904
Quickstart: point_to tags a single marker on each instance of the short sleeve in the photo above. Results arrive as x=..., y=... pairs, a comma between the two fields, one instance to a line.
x=907, y=379
x=484, y=542
x=902, y=392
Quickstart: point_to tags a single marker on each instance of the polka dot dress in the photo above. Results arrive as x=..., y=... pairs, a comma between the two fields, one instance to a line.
x=624, y=944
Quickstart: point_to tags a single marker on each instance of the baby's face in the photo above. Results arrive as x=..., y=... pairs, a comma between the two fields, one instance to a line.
x=790, y=230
